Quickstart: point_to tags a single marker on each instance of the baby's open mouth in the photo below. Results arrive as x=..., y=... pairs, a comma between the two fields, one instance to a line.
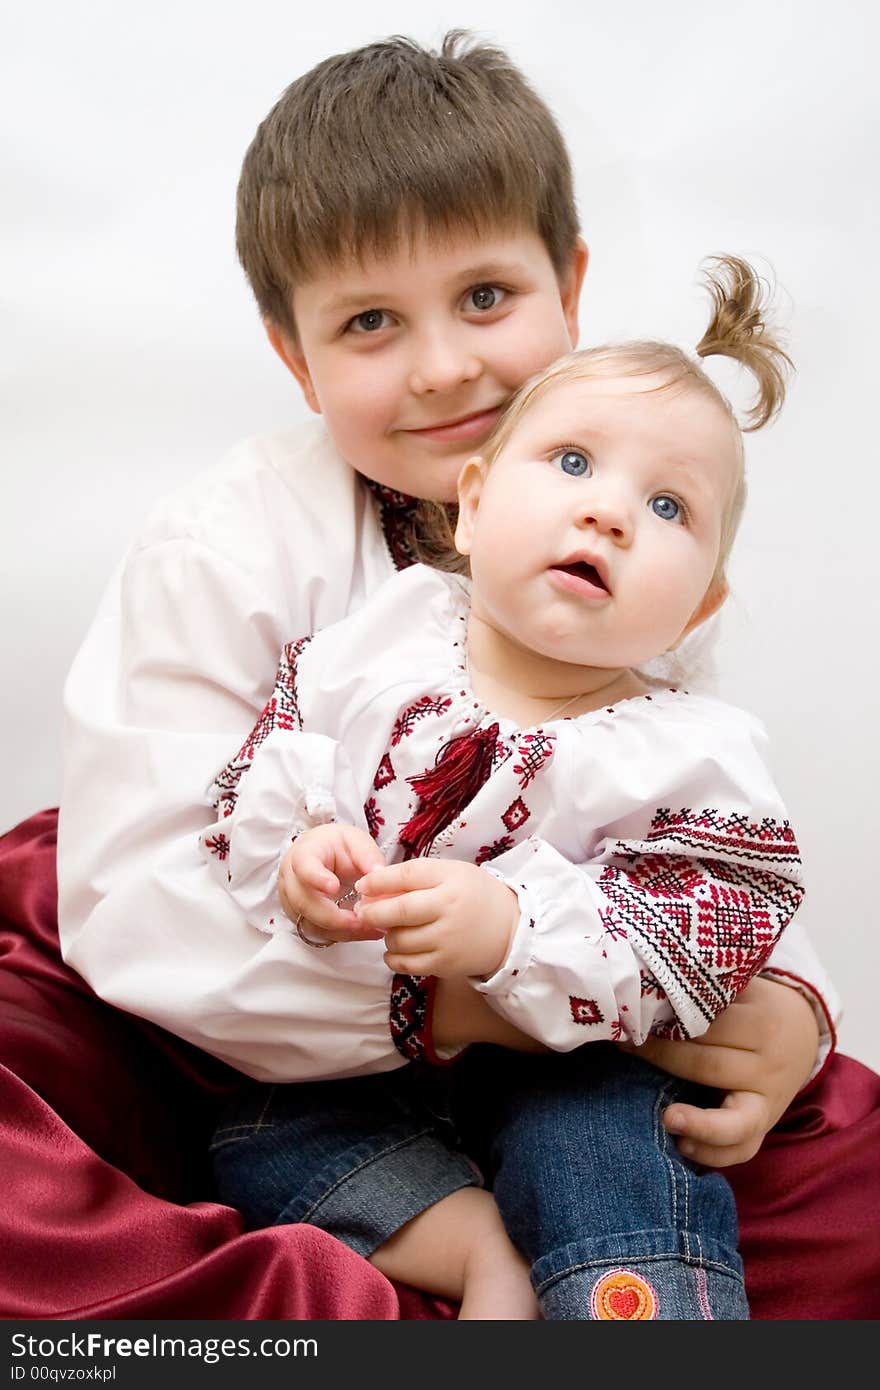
x=580, y=569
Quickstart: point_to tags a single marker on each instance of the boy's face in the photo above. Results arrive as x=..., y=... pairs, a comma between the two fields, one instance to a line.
x=595, y=534
x=411, y=356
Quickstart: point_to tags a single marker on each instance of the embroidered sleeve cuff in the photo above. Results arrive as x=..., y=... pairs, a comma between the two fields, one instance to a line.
x=564, y=982
x=519, y=954
x=295, y=782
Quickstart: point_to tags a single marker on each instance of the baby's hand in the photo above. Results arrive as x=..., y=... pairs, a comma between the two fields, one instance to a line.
x=439, y=916
x=320, y=866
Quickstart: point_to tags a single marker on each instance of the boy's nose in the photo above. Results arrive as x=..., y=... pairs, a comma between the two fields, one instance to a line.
x=441, y=363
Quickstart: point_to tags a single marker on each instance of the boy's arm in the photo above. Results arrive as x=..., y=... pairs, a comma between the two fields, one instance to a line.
x=793, y=963
x=178, y=663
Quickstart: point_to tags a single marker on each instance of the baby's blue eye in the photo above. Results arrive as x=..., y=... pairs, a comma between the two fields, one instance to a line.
x=369, y=320
x=666, y=507
x=573, y=462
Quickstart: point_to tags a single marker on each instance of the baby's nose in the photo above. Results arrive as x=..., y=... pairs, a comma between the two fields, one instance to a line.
x=607, y=514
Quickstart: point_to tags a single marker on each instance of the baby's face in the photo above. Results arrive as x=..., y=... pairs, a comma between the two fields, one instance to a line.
x=411, y=356
x=594, y=535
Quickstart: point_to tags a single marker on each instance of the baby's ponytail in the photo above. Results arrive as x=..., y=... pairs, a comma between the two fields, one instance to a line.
x=740, y=329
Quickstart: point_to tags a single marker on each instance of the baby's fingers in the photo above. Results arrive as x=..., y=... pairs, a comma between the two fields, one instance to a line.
x=404, y=910
x=313, y=873
x=412, y=875
x=363, y=852
x=299, y=901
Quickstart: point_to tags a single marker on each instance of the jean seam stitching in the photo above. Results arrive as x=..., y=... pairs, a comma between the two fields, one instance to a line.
x=252, y=1126
x=664, y=1140
x=584, y=1265
x=269, y=1098
x=382, y=1153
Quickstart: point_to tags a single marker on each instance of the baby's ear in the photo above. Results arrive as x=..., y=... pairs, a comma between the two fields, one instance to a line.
x=288, y=349
x=470, y=487
x=712, y=600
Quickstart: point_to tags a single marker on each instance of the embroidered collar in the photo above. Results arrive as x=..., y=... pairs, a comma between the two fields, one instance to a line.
x=396, y=517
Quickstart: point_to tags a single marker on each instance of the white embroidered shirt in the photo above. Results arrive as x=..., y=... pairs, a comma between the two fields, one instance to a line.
x=647, y=844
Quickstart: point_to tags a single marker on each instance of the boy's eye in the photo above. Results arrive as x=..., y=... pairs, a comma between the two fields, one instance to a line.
x=369, y=321
x=667, y=508
x=484, y=297
x=572, y=462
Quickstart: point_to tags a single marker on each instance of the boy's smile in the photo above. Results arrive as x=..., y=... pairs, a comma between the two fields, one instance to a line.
x=411, y=356
x=467, y=429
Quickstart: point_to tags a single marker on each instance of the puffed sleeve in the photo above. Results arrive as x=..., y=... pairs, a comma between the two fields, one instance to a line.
x=282, y=781
x=671, y=876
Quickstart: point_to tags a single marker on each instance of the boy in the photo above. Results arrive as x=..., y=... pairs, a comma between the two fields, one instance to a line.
x=407, y=223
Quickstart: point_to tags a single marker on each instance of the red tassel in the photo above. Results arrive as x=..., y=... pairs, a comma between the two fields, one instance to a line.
x=460, y=769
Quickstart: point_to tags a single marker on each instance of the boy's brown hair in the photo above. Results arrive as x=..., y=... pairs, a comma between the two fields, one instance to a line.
x=392, y=139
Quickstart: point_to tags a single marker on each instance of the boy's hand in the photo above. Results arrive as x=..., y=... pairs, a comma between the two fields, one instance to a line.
x=439, y=916
x=320, y=866
x=760, y=1051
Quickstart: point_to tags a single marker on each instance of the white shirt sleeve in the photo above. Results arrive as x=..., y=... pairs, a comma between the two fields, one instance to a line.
x=792, y=962
x=177, y=665
x=673, y=904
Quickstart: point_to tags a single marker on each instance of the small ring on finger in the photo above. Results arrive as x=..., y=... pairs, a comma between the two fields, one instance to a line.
x=317, y=945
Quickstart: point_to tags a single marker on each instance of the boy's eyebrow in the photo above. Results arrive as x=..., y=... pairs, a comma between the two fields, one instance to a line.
x=483, y=271
x=493, y=270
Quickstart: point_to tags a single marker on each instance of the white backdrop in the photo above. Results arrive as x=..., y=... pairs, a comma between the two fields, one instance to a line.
x=133, y=355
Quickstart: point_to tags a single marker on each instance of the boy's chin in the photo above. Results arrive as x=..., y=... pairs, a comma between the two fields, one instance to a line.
x=424, y=484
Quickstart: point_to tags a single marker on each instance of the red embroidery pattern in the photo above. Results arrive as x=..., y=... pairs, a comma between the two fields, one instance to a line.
x=217, y=844
x=397, y=519
x=611, y=924
x=765, y=842
x=585, y=1011
x=408, y=1016
x=373, y=816
x=704, y=926
x=487, y=852
x=281, y=711
x=384, y=774
x=516, y=814
x=503, y=751
x=534, y=751
x=650, y=986
x=404, y=723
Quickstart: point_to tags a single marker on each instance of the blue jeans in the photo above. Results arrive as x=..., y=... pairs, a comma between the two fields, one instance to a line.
x=613, y=1221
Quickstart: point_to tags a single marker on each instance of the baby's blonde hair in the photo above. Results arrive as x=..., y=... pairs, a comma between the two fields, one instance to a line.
x=739, y=328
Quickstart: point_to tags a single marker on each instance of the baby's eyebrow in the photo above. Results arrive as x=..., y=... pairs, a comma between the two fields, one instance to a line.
x=692, y=476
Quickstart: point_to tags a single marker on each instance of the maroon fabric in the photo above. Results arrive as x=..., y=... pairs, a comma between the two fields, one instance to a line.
x=103, y=1141
x=808, y=1203
x=103, y=1135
